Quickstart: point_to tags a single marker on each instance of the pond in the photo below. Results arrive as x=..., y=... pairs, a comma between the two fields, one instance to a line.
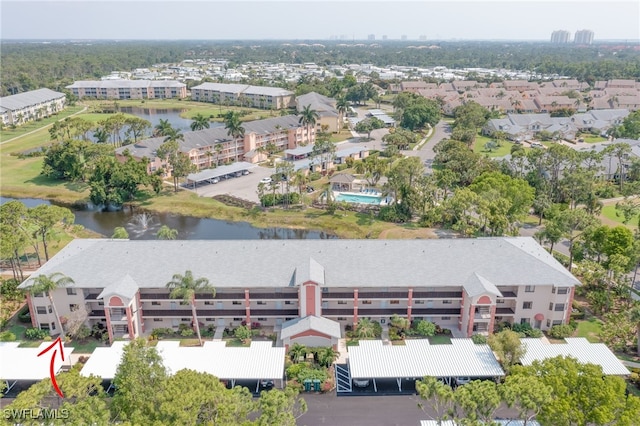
x=154, y=115
x=143, y=226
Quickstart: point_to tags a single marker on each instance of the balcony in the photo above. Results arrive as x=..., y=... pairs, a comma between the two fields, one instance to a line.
x=383, y=295
x=483, y=313
x=437, y=312
x=98, y=313
x=186, y=313
x=272, y=296
x=338, y=295
x=92, y=296
x=509, y=294
x=437, y=295
x=504, y=311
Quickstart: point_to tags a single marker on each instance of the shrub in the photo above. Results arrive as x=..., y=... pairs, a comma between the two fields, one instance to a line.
x=243, y=332
x=479, y=339
x=7, y=336
x=24, y=316
x=561, y=331
x=35, y=334
x=424, y=328
x=187, y=332
x=534, y=332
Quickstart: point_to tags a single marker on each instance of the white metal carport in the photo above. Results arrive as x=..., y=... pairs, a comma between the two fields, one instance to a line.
x=578, y=348
x=208, y=174
x=260, y=361
x=418, y=358
x=17, y=364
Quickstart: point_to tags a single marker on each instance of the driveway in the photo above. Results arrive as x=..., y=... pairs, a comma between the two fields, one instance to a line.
x=426, y=153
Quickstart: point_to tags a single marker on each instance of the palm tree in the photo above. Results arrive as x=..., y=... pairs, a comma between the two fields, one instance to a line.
x=199, y=122
x=173, y=135
x=327, y=355
x=308, y=117
x=163, y=128
x=297, y=351
x=365, y=328
x=47, y=284
x=342, y=105
x=185, y=287
x=101, y=135
x=218, y=148
x=234, y=126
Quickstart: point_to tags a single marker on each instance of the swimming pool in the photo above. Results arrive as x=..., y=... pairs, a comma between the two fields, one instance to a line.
x=359, y=198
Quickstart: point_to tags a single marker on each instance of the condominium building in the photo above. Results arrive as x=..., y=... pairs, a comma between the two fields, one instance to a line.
x=29, y=106
x=560, y=37
x=243, y=95
x=129, y=89
x=214, y=146
x=583, y=37
x=468, y=285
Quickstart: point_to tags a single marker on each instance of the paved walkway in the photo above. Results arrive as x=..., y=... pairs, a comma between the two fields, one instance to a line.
x=217, y=336
x=631, y=364
x=342, y=349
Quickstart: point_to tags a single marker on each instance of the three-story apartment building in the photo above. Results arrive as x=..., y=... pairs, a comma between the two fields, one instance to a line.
x=464, y=284
x=129, y=89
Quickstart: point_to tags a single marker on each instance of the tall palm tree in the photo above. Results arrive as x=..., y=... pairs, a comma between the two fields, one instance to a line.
x=297, y=351
x=185, y=287
x=199, y=122
x=327, y=355
x=47, y=284
x=308, y=117
x=342, y=105
x=219, y=149
x=234, y=126
x=163, y=128
x=634, y=316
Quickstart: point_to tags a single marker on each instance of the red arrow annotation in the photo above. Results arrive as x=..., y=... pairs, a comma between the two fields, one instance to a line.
x=53, y=358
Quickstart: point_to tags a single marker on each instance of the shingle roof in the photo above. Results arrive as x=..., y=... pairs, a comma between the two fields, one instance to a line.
x=477, y=285
x=97, y=263
x=115, y=84
x=26, y=99
x=244, y=89
x=320, y=324
x=126, y=287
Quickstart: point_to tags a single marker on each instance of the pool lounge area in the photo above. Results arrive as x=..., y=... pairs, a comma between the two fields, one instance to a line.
x=371, y=197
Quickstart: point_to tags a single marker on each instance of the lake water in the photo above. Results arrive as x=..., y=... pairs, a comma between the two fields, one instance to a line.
x=189, y=228
x=154, y=115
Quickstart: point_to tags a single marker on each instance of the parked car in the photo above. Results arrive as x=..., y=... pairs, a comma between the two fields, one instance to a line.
x=245, y=172
x=462, y=380
x=265, y=180
x=310, y=189
x=536, y=145
x=238, y=174
x=215, y=180
x=361, y=383
x=266, y=383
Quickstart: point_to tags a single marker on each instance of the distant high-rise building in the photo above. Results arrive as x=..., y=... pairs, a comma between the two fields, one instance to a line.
x=371, y=37
x=560, y=36
x=403, y=37
x=583, y=37
x=422, y=38
x=384, y=37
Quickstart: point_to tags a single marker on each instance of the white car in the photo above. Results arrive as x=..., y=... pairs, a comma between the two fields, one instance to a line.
x=361, y=383
x=265, y=180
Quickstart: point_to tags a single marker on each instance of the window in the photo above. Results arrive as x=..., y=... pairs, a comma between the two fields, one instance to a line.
x=235, y=302
x=557, y=322
x=44, y=327
x=262, y=319
x=71, y=291
x=527, y=305
x=559, y=307
x=73, y=307
x=208, y=302
x=419, y=302
x=185, y=319
x=366, y=302
x=38, y=295
x=525, y=320
x=446, y=302
x=342, y=319
x=288, y=302
x=550, y=306
x=499, y=300
x=260, y=302
x=210, y=319
x=563, y=290
x=548, y=323
x=342, y=302
x=530, y=289
x=157, y=320
x=446, y=318
x=155, y=303
x=394, y=302
x=41, y=309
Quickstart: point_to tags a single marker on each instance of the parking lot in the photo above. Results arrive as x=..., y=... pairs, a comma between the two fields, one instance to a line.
x=245, y=186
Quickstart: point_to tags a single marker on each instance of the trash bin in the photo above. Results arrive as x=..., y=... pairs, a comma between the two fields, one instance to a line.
x=307, y=385
x=316, y=385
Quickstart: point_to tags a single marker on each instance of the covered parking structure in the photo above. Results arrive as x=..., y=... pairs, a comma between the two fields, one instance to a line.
x=576, y=347
x=261, y=361
x=372, y=360
x=208, y=175
x=24, y=365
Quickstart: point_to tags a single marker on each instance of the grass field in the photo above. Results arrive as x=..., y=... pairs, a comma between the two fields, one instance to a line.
x=8, y=133
x=590, y=329
x=501, y=151
x=440, y=340
x=610, y=213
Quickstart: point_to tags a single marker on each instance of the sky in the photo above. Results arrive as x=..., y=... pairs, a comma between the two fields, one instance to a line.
x=317, y=20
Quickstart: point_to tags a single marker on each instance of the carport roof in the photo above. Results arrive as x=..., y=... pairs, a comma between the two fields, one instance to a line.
x=25, y=364
x=259, y=361
x=418, y=358
x=219, y=171
x=578, y=348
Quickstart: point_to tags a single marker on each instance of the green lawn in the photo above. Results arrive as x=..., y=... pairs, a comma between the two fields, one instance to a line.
x=237, y=343
x=30, y=343
x=610, y=213
x=18, y=330
x=593, y=139
x=86, y=347
x=440, y=340
x=590, y=329
x=501, y=151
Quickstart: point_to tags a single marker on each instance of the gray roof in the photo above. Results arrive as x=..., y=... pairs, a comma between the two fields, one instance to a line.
x=299, y=150
x=323, y=105
x=504, y=261
x=342, y=178
x=311, y=322
x=27, y=99
x=477, y=285
x=126, y=287
x=116, y=84
x=220, y=171
x=244, y=89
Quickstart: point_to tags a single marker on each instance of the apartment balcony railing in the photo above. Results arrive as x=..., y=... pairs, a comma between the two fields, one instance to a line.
x=383, y=295
x=92, y=296
x=437, y=295
x=338, y=295
x=509, y=294
x=437, y=311
x=186, y=313
x=98, y=313
x=504, y=311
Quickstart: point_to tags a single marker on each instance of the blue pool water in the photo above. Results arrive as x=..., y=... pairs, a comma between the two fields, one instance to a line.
x=359, y=198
